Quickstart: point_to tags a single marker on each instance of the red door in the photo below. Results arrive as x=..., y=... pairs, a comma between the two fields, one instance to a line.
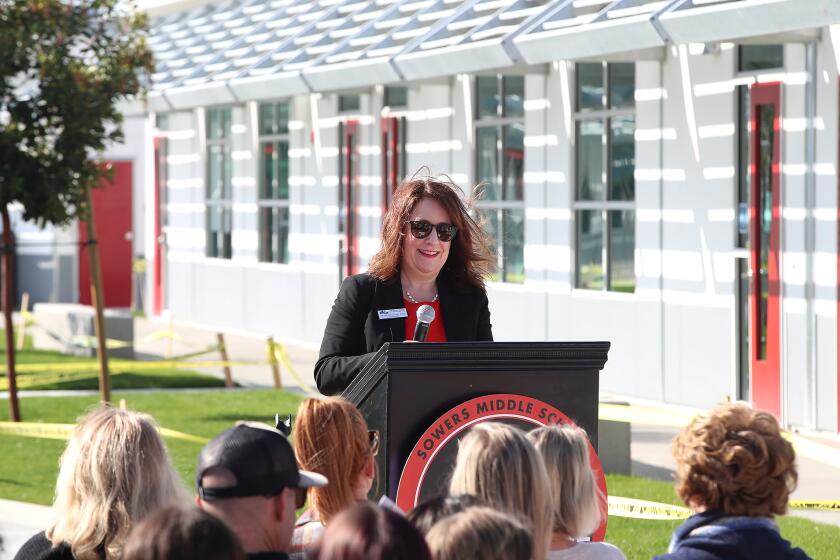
x=112, y=214
x=348, y=193
x=765, y=218
x=393, y=157
x=160, y=242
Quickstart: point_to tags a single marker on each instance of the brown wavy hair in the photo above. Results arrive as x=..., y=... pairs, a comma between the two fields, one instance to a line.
x=470, y=257
x=330, y=437
x=734, y=458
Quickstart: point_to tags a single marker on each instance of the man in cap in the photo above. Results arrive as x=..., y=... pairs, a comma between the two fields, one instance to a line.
x=248, y=477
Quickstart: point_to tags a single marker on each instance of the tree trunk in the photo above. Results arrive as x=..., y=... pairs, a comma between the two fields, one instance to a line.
x=98, y=301
x=8, y=304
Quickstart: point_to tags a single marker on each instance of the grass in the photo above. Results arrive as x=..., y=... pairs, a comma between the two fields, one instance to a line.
x=29, y=465
x=640, y=538
x=122, y=376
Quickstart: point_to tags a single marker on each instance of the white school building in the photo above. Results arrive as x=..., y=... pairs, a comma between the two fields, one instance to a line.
x=660, y=174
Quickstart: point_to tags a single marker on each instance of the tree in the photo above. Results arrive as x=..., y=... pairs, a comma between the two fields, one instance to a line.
x=64, y=65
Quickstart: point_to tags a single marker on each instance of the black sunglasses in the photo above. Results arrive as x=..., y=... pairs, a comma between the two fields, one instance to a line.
x=421, y=229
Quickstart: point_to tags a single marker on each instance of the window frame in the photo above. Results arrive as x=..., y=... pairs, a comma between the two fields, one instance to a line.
x=223, y=203
x=499, y=206
x=263, y=202
x=605, y=114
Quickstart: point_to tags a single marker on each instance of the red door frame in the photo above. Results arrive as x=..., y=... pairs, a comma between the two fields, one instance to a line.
x=157, y=264
x=393, y=130
x=112, y=205
x=766, y=373
x=349, y=178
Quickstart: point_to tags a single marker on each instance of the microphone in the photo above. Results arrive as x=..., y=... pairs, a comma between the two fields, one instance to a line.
x=425, y=315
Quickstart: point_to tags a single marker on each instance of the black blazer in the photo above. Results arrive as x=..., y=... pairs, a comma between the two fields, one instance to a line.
x=355, y=332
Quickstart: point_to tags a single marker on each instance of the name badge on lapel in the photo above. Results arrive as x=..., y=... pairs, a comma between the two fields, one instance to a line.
x=393, y=313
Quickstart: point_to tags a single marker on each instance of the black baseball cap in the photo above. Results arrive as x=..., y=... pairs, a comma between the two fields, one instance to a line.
x=260, y=457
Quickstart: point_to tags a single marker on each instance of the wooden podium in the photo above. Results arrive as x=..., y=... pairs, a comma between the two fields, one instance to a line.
x=406, y=388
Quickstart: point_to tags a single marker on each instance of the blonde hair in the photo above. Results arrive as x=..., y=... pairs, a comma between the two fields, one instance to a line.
x=498, y=463
x=480, y=532
x=330, y=437
x=577, y=499
x=114, y=472
x=735, y=459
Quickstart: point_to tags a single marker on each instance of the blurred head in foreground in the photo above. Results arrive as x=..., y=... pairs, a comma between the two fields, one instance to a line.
x=480, y=532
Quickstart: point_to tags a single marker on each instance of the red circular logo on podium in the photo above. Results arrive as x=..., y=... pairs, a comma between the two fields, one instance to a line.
x=517, y=409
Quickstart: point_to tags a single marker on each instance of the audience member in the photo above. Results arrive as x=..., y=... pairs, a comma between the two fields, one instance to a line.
x=247, y=476
x=577, y=500
x=114, y=472
x=331, y=437
x=177, y=533
x=480, y=532
x=366, y=531
x=426, y=514
x=736, y=471
x=497, y=463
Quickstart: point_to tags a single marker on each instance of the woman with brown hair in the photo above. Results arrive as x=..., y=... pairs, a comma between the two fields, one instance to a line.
x=736, y=471
x=369, y=532
x=182, y=533
x=433, y=253
x=331, y=437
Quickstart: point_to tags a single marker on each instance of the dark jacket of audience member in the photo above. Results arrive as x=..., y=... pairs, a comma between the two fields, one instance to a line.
x=736, y=471
x=713, y=535
x=368, y=532
x=182, y=534
x=114, y=472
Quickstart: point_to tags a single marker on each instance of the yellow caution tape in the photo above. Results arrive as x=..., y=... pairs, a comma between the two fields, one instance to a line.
x=166, y=432
x=161, y=334
x=645, y=509
x=64, y=431
x=127, y=365
x=37, y=429
x=829, y=505
x=282, y=357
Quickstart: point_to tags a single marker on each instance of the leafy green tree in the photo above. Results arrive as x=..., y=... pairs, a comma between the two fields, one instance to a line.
x=64, y=66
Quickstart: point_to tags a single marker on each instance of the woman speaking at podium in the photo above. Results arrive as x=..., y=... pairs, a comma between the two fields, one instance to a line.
x=433, y=253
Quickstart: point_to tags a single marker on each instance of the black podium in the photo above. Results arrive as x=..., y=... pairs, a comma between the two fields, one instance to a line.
x=405, y=388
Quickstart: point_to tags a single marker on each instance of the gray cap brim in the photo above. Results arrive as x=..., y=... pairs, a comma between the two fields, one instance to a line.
x=309, y=479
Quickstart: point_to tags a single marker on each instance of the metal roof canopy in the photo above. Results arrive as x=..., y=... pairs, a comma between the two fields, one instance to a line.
x=578, y=29
x=267, y=49
x=364, y=59
x=477, y=37
x=705, y=21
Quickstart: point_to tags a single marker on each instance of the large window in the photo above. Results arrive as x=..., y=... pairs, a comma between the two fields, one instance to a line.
x=274, y=182
x=219, y=175
x=605, y=160
x=499, y=149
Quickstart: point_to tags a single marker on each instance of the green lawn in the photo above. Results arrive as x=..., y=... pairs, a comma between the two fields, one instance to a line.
x=29, y=466
x=640, y=538
x=122, y=375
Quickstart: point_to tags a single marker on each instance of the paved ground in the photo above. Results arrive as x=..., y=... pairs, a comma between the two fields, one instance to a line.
x=650, y=446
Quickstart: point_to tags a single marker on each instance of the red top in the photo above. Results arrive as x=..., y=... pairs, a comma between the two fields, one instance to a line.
x=436, y=331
